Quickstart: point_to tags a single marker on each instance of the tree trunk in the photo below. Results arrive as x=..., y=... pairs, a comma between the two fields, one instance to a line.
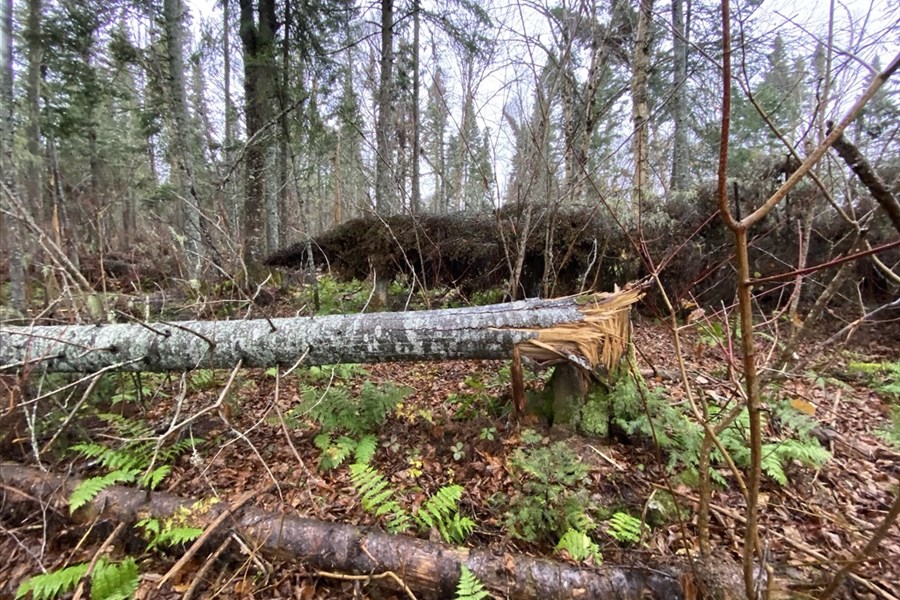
x=257, y=41
x=231, y=201
x=430, y=569
x=12, y=240
x=384, y=193
x=416, y=201
x=190, y=204
x=640, y=107
x=35, y=45
x=587, y=330
x=680, y=149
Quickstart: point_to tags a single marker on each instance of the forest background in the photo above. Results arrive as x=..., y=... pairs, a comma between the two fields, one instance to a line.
x=155, y=153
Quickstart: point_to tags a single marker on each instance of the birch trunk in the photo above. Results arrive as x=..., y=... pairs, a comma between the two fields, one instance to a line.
x=583, y=329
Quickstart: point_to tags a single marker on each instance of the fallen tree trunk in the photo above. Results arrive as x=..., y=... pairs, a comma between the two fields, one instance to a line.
x=430, y=569
x=589, y=330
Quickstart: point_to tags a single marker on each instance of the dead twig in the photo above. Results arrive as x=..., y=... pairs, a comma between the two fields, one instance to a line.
x=386, y=574
x=198, y=543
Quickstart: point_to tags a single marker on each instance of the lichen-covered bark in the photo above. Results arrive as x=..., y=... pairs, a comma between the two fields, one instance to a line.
x=487, y=332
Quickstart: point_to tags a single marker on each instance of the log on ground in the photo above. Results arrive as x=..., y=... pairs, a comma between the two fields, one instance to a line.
x=430, y=569
x=588, y=330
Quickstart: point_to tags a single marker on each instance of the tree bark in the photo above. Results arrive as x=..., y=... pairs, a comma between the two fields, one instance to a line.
x=640, y=107
x=190, y=202
x=430, y=569
x=384, y=192
x=486, y=332
x=680, y=148
x=257, y=41
x=10, y=227
x=35, y=45
x=870, y=178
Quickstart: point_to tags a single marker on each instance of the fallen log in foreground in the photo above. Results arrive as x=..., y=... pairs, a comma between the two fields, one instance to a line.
x=430, y=569
x=588, y=330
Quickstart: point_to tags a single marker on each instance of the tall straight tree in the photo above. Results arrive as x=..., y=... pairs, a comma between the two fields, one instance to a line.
x=35, y=48
x=258, y=41
x=640, y=106
x=680, y=149
x=180, y=132
x=384, y=190
x=12, y=240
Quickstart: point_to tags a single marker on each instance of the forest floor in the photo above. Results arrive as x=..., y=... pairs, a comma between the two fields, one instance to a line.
x=454, y=426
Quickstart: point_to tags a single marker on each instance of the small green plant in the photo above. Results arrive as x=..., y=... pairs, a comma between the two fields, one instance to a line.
x=469, y=586
x=884, y=377
x=459, y=451
x=176, y=530
x=633, y=408
x=377, y=497
x=338, y=297
x=347, y=423
x=891, y=433
x=488, y=434
x=440, y=512
x=137, y=459
x=109, y=581
x=625, y=528
x=553, y=496
x=579, y=546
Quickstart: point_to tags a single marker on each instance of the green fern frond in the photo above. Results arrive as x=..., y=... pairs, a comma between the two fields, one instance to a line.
x=371, y=485
x=469, y=586
x=375, y=496
x=458, y=529
x=88, y=489
x=176, y=536
x=625, y=528
x=336, y=454
x=152, y=479
x=50, y=585
x=111, y=581
x=439, y=507
x=579, y=546
x=365, y=449
x=577, y=518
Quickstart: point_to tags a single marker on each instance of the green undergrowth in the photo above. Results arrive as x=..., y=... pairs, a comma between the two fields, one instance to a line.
x=884, y=379
x=552, y=502
x=136, y=457
x=440, y=512
x=108, y=581
x=347, y=413
x=636, y=410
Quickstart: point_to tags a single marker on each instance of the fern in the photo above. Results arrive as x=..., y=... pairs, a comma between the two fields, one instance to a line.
x=111, y=581
x=553, y=497
x=365, y=449
x=175, y=536
x=376, y=497
x=441, y=512
x=334, y=454
x=88, y=489
x=50, y=585
x=579, y=546
x=469, y=586
x=152, y=479
x=440, y=506
x=625, y=528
